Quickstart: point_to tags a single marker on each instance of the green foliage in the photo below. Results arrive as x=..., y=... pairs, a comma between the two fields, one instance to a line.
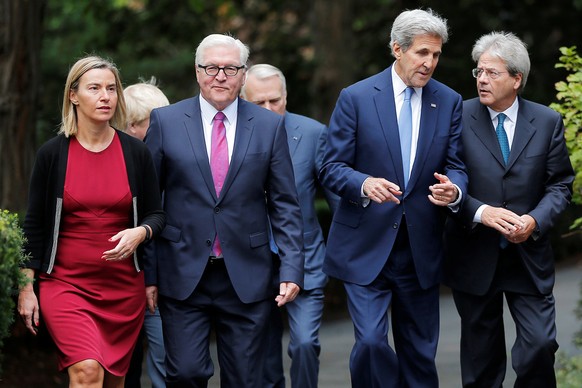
x=569, y=371
x=11, y=257
x=570, y=107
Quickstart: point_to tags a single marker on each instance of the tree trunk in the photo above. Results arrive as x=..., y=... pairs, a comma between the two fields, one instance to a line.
x=334, y=50
x=20, y=37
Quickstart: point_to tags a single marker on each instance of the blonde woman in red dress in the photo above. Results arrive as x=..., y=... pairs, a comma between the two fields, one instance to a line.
x=93, y=201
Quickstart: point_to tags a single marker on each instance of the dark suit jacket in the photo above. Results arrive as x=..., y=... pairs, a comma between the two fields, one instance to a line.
x=256, y=189
x=537, y=181
x=306, y=138
x=363, y=141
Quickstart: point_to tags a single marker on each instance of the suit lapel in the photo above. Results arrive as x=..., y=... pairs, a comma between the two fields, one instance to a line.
x=386, y=111
x=481, y=125
x=293, y=134
x=244, y=130
x=524, y=131
x=195, y=132
x=426, y=131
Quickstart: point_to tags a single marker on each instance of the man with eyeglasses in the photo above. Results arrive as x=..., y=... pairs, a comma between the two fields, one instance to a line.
x=224, y=170
x=498, y=244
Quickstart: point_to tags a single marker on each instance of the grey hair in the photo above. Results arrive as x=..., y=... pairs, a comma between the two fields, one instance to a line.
x=262, y=71
x=412, y=23
x=507, y=47
x=221, y=40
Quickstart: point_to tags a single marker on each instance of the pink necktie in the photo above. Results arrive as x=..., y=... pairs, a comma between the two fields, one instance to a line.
x=218, y=163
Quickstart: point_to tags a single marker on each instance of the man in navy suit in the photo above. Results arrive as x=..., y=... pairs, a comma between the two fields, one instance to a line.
x=266, y=87
x=498, y=244
x=385, y=240
x=212, y=264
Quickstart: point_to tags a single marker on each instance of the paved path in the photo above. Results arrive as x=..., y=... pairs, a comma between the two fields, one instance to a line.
x=337, y=336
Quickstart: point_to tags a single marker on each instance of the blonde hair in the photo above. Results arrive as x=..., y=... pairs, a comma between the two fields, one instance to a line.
x=141, y=98
x=69, y=113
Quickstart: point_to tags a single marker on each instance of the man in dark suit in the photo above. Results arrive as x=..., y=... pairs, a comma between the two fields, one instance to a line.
x=266, y=87
x=520, y=180
x=224, y=170
x=385, y=240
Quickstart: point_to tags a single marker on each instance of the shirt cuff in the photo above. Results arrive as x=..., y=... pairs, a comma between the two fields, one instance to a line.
x=365, y=199
x=454, y=206
x=477, y=216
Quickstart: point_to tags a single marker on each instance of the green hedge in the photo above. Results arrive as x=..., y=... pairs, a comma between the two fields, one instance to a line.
x=569, y=105
x=11, y=258
x=569, y=369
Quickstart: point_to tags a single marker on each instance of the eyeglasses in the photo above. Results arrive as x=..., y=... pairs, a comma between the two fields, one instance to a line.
x=212, y=70
x=492, y=74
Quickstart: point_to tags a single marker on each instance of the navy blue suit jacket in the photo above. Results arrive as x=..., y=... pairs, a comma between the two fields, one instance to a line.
x=536, y=181
x=363, y=141
x=306, y=138
x=255, y=191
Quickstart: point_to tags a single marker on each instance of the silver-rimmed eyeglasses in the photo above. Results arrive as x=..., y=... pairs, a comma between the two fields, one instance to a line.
x=213, y=70
x=491, y=73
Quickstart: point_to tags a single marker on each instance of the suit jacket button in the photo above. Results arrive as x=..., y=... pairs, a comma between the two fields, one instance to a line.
x=217, y=210
x=208, y=242
x=395, y=226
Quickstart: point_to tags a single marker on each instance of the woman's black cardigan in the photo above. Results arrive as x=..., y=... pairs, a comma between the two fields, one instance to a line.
x=43, y=217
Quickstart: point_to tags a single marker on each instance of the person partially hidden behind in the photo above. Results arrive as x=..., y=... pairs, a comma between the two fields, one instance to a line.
x=225, y=174
x=394, y=157
x=266, y=87
x=498, y=244
x=140, y=99
x=93, y=200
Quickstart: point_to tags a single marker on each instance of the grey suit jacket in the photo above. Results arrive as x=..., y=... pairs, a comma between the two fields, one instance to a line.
x=306, y=138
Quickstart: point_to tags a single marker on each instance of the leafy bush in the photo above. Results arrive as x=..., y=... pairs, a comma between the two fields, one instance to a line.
x=569, y=369
x=570, y=107
x=11, y=257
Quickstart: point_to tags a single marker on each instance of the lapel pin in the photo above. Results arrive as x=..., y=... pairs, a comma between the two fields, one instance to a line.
x=294, y=137
x=433, y=105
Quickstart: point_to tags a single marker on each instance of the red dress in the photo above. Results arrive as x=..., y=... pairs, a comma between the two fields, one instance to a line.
x=93, y=309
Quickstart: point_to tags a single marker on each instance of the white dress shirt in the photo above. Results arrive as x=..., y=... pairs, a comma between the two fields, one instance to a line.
x=509, y=125
x=208, y=112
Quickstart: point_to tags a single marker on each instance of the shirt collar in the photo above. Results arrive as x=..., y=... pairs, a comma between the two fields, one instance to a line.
x=208, y=112
x=399, y=85
x=510, y=112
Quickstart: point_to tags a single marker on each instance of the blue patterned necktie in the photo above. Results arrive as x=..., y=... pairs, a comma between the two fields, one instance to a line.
x=405, y=131
x=504, y=144
x=502, y=136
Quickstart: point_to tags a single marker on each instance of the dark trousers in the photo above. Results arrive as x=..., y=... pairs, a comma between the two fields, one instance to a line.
x=304, y=315
x=239, y=329
x=483, y=354
x=415, y=326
